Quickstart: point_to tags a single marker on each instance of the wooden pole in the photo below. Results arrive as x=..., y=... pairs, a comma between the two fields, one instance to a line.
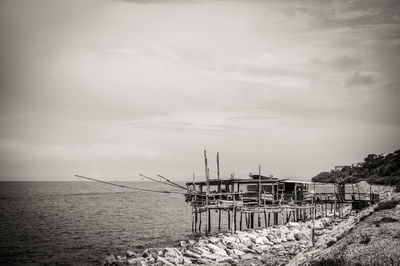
x=200, y=222
x=192, y=220
x=209, y=221
x=195, y=219
x=229, y=219
x=218, y=165
x=265, y=219
x=219, y=219
x=219, y=210
x=259, y=184
x=241, y=214
x=234, y=217
x=207, y=188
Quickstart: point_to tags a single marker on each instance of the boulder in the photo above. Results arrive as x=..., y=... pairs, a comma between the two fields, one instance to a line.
x=186, y=261
x=137, y=261
x=238, y=252
x=253, y=238
x=231, y=245
x=209, y=256
x=318, y=224
x=110, y=259
x=228, y=239
x=203, y=261
x=225, y=260
x=265, y=248
x=276, y=241
x=270, y=237
x=202, y=250
x=290, y=237
x=293, y=225
x=246, y=241
x=214, y=240
x=220, y=245
x=301, y=236
x=248, y=256
x=191, y=254
x=149, y=252
x=241, y=246
x=161, y=262
x=173, y=255
x=131, y=254
x=183, y=244
x=217, y=250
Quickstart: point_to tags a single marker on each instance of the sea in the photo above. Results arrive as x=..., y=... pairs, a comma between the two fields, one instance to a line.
x=79, y=223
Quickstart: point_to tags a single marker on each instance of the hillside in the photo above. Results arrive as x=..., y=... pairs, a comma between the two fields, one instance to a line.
x=376, y=169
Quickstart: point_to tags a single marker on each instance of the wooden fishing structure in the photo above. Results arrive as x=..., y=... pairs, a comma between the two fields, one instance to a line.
x=262, y=201
x=257, y=201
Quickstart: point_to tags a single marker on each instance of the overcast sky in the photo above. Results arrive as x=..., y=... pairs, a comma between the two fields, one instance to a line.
x=112, y=89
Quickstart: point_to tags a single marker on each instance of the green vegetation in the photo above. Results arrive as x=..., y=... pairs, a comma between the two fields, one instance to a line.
x=385, y=205
x=376, y=169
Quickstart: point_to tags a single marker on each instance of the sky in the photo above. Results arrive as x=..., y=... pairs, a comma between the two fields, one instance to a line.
x=111, y=89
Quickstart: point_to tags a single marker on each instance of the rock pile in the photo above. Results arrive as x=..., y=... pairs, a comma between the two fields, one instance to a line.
x=270, y=246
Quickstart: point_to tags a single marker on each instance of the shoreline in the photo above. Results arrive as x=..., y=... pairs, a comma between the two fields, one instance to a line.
x=289, y=244
x=275, y=245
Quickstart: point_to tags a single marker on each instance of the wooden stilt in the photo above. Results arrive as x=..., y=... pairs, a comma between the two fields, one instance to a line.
x=241, y=214
x=192, y=221
x=265, y=219
x=200, y=222
x=219, y=219
x=195, y=220
x=209, y=221
x=234, y=219
x=229, y=219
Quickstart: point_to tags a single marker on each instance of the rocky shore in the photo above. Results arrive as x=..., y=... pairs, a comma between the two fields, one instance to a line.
x=275, y=245
x=289, y=244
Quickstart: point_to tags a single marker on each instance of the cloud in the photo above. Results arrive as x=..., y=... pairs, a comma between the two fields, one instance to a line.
x=358, y=79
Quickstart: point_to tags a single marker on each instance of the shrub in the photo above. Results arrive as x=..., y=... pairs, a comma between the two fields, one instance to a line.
x=365, y=239
x=397, y=189
x=386, y=220
x=385, y=205
x=328, y=262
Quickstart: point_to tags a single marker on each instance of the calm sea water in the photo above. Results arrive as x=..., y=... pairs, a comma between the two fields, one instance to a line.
x=78, y=223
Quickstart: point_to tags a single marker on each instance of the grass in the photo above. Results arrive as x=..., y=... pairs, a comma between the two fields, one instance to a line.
x=365, y=239
x=384, y=220
x=328, y=262
x=387, y=205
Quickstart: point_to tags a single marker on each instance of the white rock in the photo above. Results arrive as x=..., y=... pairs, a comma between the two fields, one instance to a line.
x=161, y=261
x=186, y=261
x=130, y=254
x=293, y=224
x=213, y=240
x=318, y=224
x=210, y=256
x=225, y=260
x=217, y=250
x=229, y=239
x=290, y=236
x=191, y=254
x=238, y=252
